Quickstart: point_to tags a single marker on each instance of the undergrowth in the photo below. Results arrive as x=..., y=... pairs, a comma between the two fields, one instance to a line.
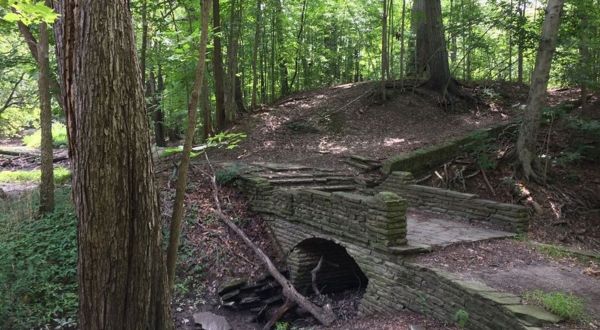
x=38, y=262
x=567, y=306
x=59, y=137
x=61, y=175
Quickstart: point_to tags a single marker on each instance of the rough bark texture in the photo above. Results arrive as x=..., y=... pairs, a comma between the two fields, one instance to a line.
x=120, y=264
x=47, y=168
x=178, y=210
x=527, y=141
x=436, y=56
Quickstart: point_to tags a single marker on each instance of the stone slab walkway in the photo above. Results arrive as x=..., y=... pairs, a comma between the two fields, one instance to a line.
x=437, y=231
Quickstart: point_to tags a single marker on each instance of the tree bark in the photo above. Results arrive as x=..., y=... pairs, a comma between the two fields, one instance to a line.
x=47, y=167
x=120, y=261
x=159, y=117
x=521, y=41
x=255, y=53
x=206, y=110
x=436, y=55
x=384, y=48
x=32, y=45
x=527, y=141
x=178, y=209
x=218, y=68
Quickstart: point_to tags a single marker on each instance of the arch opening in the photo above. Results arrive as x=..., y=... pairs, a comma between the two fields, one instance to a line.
x=338, y=271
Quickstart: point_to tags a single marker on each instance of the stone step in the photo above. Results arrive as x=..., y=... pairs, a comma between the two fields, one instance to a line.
x=320, y=181
x=331, y=188
x=533, y=315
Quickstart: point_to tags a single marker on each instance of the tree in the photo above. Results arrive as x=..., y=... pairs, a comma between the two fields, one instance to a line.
x=527, y=141
x=384, y=48
x=47, y=168
x=122, y=283
x=178, y=209
x=218, y=68
x=432, y=52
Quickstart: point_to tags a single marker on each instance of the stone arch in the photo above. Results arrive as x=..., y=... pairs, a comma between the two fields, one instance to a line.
x=339, y=270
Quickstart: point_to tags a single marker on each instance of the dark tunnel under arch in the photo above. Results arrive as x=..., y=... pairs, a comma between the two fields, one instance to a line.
x=338, y=272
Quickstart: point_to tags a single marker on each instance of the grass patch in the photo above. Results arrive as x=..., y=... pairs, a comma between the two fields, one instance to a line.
x=59, y=137
x=567, y=306
x=61, y=175
x=38, y=264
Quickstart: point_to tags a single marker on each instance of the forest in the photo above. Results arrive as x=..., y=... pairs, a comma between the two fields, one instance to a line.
x=295, y=164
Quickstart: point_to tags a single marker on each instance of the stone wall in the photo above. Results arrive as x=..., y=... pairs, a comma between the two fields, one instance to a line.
x=395, y=283
x=373, y=221
x=425, y=159
x=370, y=229
x=509, y=217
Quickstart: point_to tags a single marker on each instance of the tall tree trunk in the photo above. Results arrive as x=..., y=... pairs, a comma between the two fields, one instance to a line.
x=436, y=55
x=231, y=105
x=283, y=71
x=178, y=209
x=218, y=68
x=527, y=141
x=257, y=34
x=584, y=51
x=402, y=25
x=521, y=40
x=159, y=117
x=299, y=44
x=32, y=43
x=47, y=168
x=384, y=48
x=206, y=109
x=120, y=261
x=144, y=47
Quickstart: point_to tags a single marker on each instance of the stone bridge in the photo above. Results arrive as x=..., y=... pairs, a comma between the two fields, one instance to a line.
x=368, y=237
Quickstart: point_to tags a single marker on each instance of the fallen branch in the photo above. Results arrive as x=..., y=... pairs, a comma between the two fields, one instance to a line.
x=323, y=314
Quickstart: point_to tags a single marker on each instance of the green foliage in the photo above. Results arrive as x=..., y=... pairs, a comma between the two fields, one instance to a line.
x=282, y=326
x=61, y=175
x=461, y=317
x=567, y=306
x=59, y=137
x=484, y=151
x=13, y=120
x=29, y=12
x=225, y=140
x=38, y=264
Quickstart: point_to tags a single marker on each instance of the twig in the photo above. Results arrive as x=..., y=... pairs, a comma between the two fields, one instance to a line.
x=487, y=182
x=279, y=313
x=423, y=179
x=323, y=314
x=313, y=274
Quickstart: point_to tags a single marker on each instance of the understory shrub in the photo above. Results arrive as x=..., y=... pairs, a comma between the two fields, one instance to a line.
x=38, y=264
x=565, y=305
x=61, y=175
x=59, y=137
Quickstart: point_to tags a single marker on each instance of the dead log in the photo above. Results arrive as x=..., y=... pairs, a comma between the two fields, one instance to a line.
x=323, y=314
